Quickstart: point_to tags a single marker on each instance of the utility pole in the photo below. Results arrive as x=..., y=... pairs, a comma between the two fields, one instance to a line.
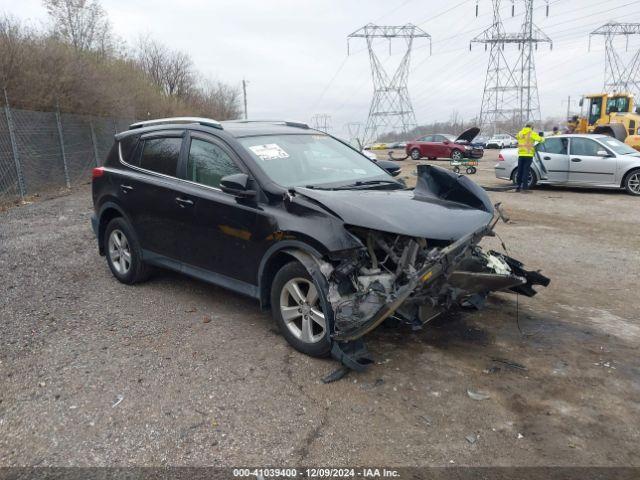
x=244, y=95
x=618, y=77
x=391, y=108
x=510, y=94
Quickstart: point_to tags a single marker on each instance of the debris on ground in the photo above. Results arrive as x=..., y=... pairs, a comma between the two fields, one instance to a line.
x=605, y=365
x=119, y=399
x=471, y=438
x=336, y=375
x=520, y=436
x=425, y=419
x=478, y=395
x=493, y=369
x=206, y=319
x=509, y=363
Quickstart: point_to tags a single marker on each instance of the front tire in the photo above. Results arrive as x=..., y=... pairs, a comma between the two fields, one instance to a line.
x=456, y=155
x=296, y=306
x=415, y=154
x=123, y=252
x=632, y=182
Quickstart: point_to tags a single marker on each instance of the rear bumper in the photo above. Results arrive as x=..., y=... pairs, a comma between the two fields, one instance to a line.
x=501, y=172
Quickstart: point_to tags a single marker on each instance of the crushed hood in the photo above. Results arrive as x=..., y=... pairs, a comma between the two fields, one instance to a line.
x=442, y=207
x=468, y=135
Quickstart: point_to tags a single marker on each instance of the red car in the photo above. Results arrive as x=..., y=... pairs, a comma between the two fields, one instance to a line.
x=445, y=146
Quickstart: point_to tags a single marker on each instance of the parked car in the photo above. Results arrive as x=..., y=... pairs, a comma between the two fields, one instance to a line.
x=501, y=140
x=443, y=145
x=300, y=221
x=394, y=145
x=378, y=146
x=392, y=168
x=578, y=160
x=479, y=142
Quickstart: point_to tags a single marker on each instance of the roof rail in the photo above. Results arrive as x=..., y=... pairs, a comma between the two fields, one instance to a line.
x=280, y=122
x=207, y=122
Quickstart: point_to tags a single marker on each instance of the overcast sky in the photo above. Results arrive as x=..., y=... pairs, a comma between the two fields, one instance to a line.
x=293, y=53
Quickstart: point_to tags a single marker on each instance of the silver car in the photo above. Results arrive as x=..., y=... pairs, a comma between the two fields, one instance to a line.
x=578, y=160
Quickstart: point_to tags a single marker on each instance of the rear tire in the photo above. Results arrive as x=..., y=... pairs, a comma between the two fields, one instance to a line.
x=632, y=182
x=123, y=252
x=533, y=179
x=296, y=306
x=415, y=154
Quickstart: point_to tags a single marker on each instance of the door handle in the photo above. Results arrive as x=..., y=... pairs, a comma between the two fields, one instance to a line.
x=576, y=160
x=184, y=202
x=126, y=188
x=546, y=158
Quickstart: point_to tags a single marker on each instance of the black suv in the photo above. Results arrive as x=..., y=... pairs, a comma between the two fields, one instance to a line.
x=300, y=221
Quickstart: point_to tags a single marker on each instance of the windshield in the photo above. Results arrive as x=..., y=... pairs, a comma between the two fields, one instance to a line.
x=618, y=147
x=310, y=160
x=451, y=138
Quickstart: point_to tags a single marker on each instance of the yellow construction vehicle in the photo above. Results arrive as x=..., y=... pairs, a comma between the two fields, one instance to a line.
x=612, y=114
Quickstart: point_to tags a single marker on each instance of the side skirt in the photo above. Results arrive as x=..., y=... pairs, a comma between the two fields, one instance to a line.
x=201, y=274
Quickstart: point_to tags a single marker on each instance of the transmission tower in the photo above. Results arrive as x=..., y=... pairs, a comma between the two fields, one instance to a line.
x=354, y=130
x=510, y=95
x=391, y=108
x=619, y=77
x=321, y=121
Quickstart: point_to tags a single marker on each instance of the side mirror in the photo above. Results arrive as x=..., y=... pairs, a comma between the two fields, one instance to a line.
x=602, y=153
x=237, y=185
x=390, y=167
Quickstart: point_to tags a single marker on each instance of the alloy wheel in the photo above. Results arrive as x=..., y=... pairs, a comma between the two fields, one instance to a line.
x=301, y=311
x=456, y=155
x=119, y=252
x=634, y=183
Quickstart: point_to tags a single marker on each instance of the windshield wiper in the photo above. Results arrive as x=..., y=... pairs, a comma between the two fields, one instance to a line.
x=367, y=183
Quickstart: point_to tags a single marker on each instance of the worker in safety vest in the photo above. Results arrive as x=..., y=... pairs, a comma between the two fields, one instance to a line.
x=527, y=139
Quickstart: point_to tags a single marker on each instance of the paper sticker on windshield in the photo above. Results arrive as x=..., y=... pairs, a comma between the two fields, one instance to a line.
x=269, y=151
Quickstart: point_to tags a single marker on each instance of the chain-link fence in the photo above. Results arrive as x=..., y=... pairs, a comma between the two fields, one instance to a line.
x=41, y=151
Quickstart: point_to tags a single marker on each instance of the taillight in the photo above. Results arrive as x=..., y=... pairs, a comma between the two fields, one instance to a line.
x=500, y=158
x=97, y=172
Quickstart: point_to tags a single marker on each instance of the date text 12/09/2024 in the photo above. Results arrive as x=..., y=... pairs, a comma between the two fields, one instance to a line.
x=315, y=473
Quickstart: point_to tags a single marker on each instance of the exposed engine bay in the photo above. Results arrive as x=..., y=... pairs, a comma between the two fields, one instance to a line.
x=419, y=279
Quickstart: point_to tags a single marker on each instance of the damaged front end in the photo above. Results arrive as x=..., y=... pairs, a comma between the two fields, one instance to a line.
x=416, y=279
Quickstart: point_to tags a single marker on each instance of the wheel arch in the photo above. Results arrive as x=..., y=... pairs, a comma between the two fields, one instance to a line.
x=627, y=173
x=276, y=257
x=108, y=212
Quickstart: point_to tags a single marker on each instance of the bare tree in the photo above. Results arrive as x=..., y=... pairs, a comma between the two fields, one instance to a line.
x=81, y=23
x=13, y=36
x=169, y=70
x=217, y=100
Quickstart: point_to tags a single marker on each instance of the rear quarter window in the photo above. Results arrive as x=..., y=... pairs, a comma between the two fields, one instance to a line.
x=127, y=146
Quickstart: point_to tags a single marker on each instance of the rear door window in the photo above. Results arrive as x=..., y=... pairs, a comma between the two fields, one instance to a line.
x=554, y=145
x=161, y=155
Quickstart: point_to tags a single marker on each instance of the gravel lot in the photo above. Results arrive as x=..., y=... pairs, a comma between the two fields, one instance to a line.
x=179, y=372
